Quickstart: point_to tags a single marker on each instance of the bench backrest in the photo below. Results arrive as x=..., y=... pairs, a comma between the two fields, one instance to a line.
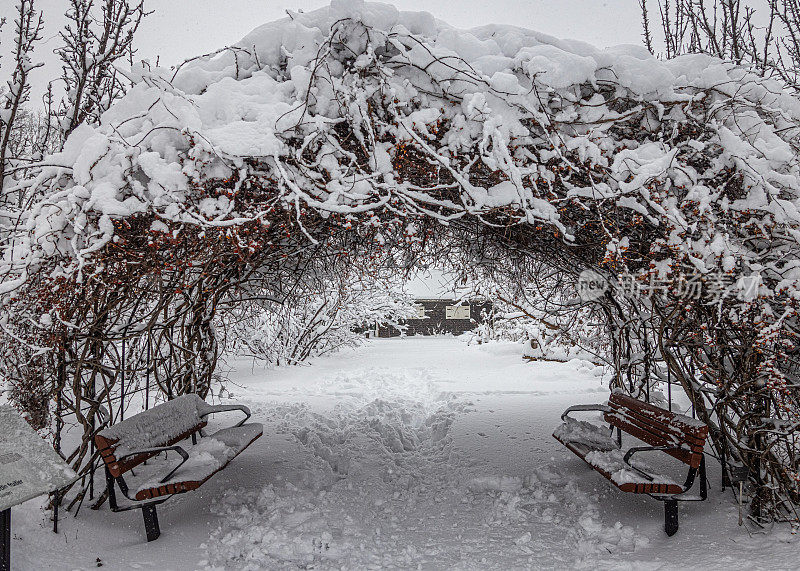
x=162, y=425
x=659, y=427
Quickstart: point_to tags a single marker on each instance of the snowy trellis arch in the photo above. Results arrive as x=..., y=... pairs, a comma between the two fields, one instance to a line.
x=358, y=128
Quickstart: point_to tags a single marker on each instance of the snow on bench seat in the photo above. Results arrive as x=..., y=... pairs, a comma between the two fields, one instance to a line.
x=159, y=425
x=207, y=457
x=597, y=448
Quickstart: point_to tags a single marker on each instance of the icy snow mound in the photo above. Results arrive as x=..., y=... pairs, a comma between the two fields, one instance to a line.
x=505, y=55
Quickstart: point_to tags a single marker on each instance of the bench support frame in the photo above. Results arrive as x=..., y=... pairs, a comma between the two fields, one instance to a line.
x=671, y=502
x=151, y=522
x=671, y=516
x=149, y=514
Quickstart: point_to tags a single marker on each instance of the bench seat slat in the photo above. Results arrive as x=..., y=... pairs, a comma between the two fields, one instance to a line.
x=689, y=456
x=657, y=430
x=622, y=477
x=208, y=457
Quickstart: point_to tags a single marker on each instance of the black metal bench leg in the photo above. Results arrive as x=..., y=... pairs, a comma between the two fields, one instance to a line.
x=703, y=479
x=671, y=517
x=151, y=522
x=112, y=494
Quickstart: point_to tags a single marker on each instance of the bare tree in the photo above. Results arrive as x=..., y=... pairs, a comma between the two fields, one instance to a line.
x=647, y=36
x=27, y=31
x=762, y=33
x=95, y=39
x=92, y=47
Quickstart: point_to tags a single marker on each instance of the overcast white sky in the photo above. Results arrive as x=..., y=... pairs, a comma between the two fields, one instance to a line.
x=183, y=28
x=179, y=29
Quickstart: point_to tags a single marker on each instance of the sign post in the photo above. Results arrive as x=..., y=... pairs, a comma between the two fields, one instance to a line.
x=5, y=538
x=29, y=467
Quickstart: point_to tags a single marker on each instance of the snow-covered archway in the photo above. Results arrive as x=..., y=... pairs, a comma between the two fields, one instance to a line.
x=357, y=130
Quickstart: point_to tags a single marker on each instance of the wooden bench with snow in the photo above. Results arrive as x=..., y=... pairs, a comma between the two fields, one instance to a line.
x=682, y=437
x=132, y=452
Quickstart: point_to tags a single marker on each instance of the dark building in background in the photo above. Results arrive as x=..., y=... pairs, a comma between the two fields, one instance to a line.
x=442, y=316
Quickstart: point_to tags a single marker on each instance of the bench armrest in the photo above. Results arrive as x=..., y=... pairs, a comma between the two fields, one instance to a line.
x=211, y=409
x=585, y=407
x=635, y=449
x=692, y=472
x=184, y=455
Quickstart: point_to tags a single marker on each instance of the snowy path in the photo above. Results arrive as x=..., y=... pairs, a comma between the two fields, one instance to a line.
x=416, y=453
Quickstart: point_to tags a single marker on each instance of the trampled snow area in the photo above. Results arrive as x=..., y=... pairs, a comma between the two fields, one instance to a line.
x=408, y=453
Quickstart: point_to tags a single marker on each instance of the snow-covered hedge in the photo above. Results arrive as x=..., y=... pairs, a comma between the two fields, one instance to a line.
x=559, y=119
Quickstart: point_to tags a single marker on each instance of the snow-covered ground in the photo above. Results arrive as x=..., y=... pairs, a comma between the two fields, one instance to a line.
x=408, y=453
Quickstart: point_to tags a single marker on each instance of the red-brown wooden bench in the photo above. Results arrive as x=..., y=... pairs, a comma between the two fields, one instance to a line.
x=132, y=452
x=682, y=437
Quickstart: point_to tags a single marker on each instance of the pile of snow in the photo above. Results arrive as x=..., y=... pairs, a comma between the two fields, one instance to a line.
x=587, y=433
x=381, y=421
x=300, y=527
